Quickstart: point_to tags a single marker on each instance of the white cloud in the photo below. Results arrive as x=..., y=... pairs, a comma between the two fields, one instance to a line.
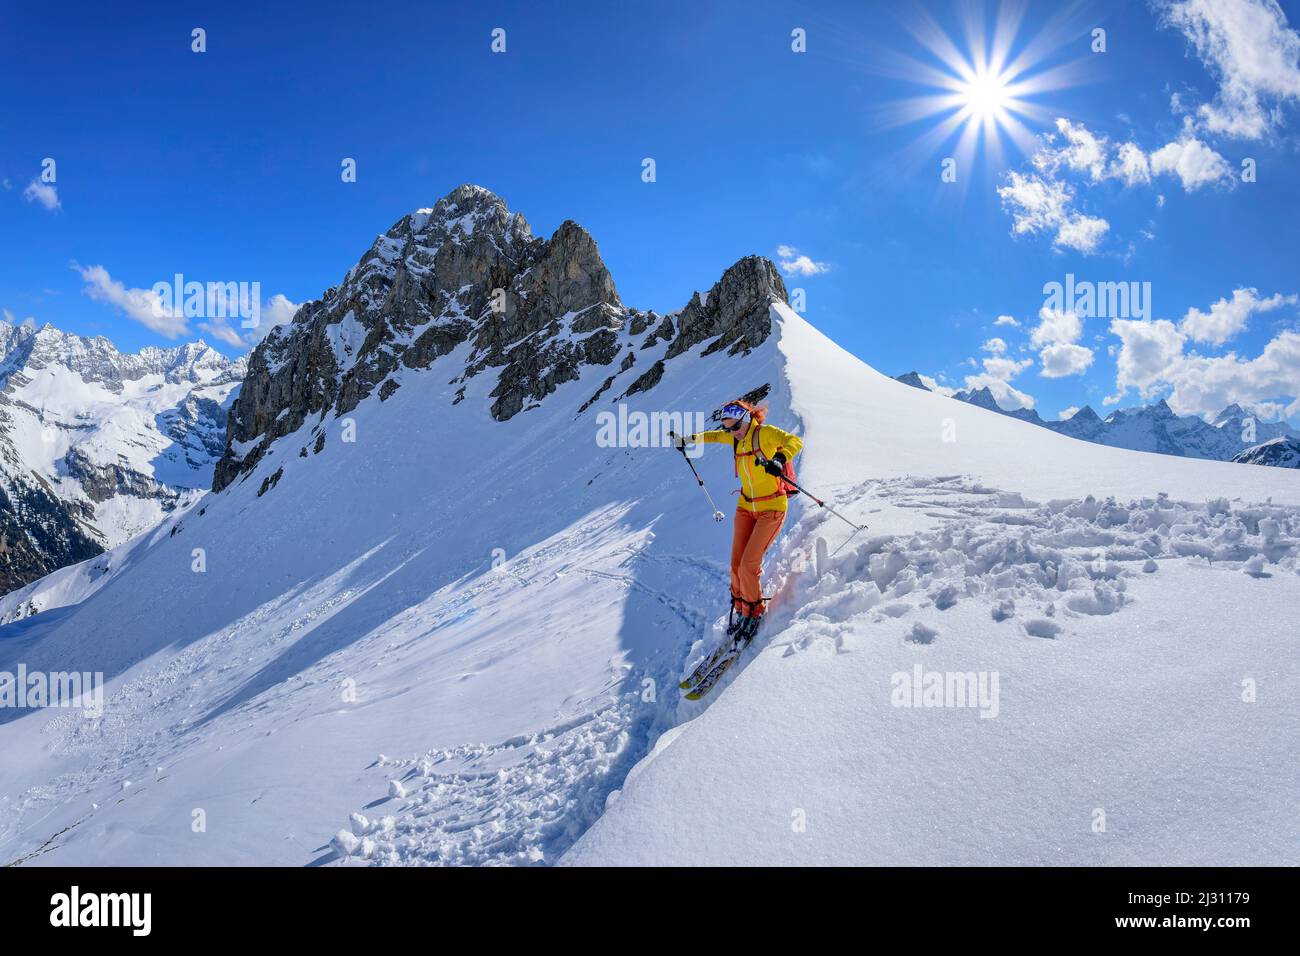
x=1039, y=205
x=277, y=310
x=1084, y=151
x=1055, y=336
x=794, y=263
x=151, y=310
x=44, y=193
x=996, y=377
x=1227, y=317
x=1041, y=201
x=143, y=305
x=1006, y=320
x=1206, y=385
x=995, y=345
x=1253, y=55
x=1066, y=414
x=6, y=183
x=1152, y=359
x=1005, y=369
x=1006, y=395
x=1056, y=328
x=1131, y=165
x=1061, y=360
x=1194, y=163
x=222, y=332
x=1269, y=411
x=934, y=386
x=1148, y=349
x=1082, y=233
x=13, y=319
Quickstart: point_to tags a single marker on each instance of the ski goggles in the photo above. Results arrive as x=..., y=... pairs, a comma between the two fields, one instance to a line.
x=732, y=411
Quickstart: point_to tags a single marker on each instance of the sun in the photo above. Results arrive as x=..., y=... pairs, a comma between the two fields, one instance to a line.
x=986, y=96
x=984, y=90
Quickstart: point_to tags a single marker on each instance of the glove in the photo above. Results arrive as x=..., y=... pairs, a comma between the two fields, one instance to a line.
x=775, y=466
x=678, y=441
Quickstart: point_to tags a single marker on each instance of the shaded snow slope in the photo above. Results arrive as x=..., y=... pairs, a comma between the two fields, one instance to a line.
x=1123, y=635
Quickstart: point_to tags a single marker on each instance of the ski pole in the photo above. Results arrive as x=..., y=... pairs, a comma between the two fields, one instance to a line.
x=717, y=515
x=821, y=504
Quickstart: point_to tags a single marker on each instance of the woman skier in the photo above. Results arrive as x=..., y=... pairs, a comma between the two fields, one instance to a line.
x=761, y=455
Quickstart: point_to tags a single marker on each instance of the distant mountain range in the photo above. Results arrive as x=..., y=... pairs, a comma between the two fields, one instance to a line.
x=97, y=445
x=1233, y=435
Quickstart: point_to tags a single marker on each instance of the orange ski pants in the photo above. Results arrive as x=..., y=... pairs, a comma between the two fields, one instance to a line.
x=751, y=537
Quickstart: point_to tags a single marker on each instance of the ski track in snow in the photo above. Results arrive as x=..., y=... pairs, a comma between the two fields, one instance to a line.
x=1039, y=565
x=525, y=800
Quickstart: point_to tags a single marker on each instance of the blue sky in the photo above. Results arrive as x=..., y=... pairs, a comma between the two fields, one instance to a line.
x=225, y=166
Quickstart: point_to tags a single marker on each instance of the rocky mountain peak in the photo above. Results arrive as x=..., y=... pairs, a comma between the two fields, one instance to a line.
x=1230, y=413
x=467, y=270
x=464, y=212
x=983, y=397
x=734, y=311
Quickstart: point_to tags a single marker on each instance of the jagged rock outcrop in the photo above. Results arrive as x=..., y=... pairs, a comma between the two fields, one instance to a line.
x=38, y=534
x=734, y=311
x=468, y=275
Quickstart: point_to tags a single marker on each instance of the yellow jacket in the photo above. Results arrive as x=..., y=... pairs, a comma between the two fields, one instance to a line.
x=755, y=483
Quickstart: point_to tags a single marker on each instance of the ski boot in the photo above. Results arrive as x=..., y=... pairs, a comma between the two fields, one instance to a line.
x=747, y=629
x=735, y=621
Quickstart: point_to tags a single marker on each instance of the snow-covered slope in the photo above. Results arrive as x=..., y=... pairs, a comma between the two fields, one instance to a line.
x=104, y=443
x=451, y=638
x=1124, y=636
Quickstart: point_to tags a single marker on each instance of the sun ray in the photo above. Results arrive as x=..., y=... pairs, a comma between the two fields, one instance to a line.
x=982, y=98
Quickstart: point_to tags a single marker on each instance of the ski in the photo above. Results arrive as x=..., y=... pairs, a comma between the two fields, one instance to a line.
x=751, y=397
x=711, y=679
x=721, y=651
x=707, y=665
